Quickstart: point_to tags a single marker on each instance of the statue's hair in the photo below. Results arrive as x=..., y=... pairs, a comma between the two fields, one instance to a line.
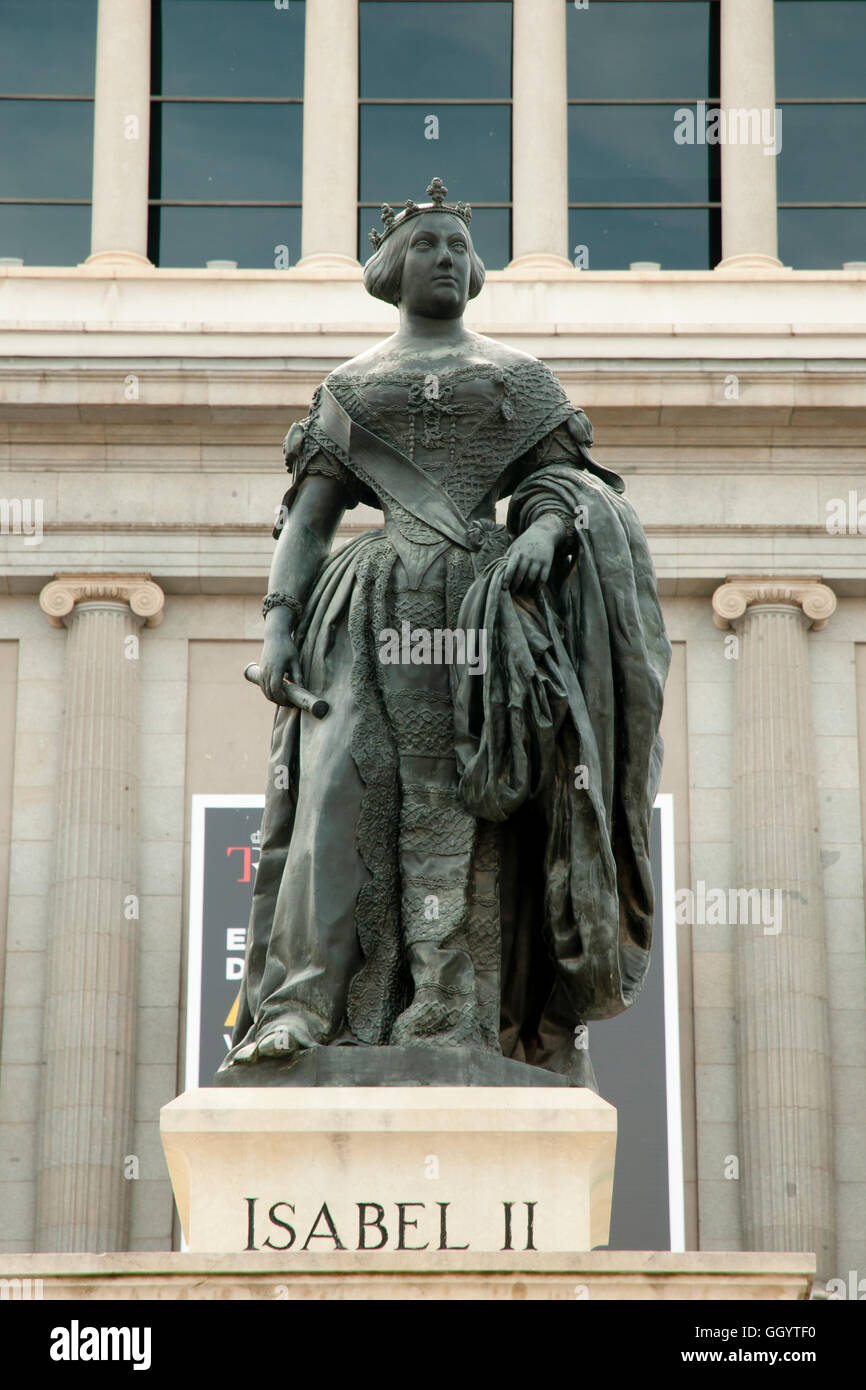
x=383, y=272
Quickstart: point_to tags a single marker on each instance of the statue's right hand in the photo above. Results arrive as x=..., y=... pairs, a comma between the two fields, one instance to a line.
x=279, y=658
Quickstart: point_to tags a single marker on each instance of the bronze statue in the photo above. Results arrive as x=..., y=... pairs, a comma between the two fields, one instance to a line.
x=454, y=859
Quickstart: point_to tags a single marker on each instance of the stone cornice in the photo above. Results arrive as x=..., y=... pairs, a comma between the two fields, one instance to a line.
x=70, y=312
x=646, y=394
x=736, y=595
x=145, y=598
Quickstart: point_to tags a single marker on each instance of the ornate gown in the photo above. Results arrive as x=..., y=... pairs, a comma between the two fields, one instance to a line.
x=435, y=869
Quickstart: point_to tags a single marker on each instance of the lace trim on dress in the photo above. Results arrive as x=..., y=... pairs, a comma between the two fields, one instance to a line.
x=488, y=435
x=323, y=465
x=378, y=993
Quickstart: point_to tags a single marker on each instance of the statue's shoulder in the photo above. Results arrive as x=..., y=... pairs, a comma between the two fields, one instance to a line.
x=475, y=354
x=500, y=354
x=476, y=350
x=374, y=360
x=511, y=359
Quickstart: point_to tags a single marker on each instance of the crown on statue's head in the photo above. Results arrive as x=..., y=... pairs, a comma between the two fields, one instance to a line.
x=437, y=192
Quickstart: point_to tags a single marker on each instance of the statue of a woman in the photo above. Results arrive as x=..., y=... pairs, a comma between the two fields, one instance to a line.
x=456, y=856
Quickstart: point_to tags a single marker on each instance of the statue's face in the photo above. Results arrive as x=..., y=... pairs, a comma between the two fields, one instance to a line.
x=437, y=267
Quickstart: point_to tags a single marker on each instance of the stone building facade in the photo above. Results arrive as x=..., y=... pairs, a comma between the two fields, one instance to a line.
x=143, y=406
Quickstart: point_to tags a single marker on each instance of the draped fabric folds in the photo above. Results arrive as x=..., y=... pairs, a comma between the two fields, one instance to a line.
x=565, y=719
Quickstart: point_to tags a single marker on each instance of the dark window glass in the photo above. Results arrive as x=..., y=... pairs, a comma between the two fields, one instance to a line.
x=448, y=50
x=435, y=87
x=821, y=238
x=222, y=48
x=611, y=238
x=625, y=154
x=821, y=53
x=46, y=149
x=243, y=148
x=233, y=152
x=639, y=50
x=472, y=155
x=823, y=155
x=257, y=238
x=48, y=47
x=490, y=229
x=45, y=234
x=636, y=72
x=820, y=48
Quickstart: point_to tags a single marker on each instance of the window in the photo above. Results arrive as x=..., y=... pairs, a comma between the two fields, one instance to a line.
x=821, y=90
x=225, y=139
x=457, y=53
x=635, y=193
x=47, y=65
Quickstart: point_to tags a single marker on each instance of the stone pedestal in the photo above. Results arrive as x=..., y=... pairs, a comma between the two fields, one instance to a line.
x=435, y=1169
x=600, y=1276
x=396, y=1066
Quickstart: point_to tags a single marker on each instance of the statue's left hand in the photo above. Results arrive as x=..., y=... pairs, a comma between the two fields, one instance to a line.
x=530, y=556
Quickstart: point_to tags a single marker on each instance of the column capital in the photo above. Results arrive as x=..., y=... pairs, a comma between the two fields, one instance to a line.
x=731, y=600
x=61, y=595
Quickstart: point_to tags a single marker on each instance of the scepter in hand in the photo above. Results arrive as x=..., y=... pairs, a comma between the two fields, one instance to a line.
x=295, y=694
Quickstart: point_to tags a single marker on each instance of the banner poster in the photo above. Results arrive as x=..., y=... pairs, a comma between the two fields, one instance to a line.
x=635, y=1056
x=224, y=856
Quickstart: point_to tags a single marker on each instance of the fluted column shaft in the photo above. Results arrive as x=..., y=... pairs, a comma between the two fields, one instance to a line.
x=121, y=132
x=540, y=133
x=748, y=83
x=89, y=1020
x=783, y=1049
x=330, y=175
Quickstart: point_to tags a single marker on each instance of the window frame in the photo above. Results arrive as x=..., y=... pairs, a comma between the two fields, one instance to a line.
x=711, y=205
x=11, y=201
x=508, y=101
x=157, y=100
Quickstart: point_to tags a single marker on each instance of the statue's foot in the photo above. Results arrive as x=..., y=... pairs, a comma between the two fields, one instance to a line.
x=431, y=1022
x=277, y=1041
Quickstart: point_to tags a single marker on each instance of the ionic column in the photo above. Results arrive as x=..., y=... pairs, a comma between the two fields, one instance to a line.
x=539, y=135
x=89, y=1022
x=121, y=133
x=748, y=82
x=329, y=228
x=783, y=1050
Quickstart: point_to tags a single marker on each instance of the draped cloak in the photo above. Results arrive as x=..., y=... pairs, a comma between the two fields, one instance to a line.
x=557, y=743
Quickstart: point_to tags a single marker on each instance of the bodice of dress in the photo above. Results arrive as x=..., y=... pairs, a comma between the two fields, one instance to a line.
x=467, y=426
x=443, y=423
